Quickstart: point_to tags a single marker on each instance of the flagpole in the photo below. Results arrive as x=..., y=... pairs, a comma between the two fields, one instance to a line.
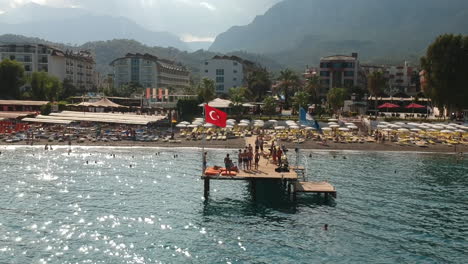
x=203, y=139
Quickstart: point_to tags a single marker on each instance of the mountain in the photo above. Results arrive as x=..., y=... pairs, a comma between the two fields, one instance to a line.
x=77, y=26
x=198, y=45
x=298, y=32
x=107, y=51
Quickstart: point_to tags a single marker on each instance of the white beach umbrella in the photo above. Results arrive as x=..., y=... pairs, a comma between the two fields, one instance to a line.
x=400, y=123
x=192, y=126
x=403, y=130
x=309, y=128
x=382, y=126
x=208, y=125
x=243, y=125
x=332, y=123
x=273, y=121
x=344, y=129
x=387, y=130
x=431, y=130
x=181, y=125
x=446, y=131
x=332, y=120
x=326, y=129
x=279, y=127
x=334, y=126
x=185, y=123
x=415, y=130
x=294, y=127
x=229, y=126
x=460, y=131
x=349, y=124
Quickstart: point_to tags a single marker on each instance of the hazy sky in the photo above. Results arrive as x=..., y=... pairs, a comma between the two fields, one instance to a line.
x=190, y=19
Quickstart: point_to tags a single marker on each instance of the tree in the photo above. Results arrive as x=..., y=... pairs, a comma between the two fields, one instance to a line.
x=300, y=99
x=269, y=105
x=188, y=109
x=238, y=96
x=206, y=90
x=289, y=84
x=312, y=87
x=376, y=83
x=68, y=90
x=129, y=90
x=259, y=83
x=445, y=71
x=11, y=79
x=336, y=98
x=45, y=87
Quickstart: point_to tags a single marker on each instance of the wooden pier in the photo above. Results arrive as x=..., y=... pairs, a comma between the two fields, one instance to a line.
x=266, y=171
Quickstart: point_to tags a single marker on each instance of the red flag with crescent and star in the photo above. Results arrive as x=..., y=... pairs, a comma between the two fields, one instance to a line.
x=215, y=116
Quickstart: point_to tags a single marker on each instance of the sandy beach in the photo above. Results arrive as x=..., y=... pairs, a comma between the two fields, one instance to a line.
x=240, y=143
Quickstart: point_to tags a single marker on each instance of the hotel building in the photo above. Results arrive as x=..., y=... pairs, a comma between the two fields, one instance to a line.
x=78, y=67
x=150, y=72
x=339, y=71
x=227, y=72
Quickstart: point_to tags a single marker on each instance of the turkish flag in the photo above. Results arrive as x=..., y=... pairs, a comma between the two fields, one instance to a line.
x=215, y=116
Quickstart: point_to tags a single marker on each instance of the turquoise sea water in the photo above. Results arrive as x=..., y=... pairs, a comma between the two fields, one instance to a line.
x=391, y=208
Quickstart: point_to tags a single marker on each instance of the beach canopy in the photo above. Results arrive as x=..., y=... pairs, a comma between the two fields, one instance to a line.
x=415, y=106
x=388, y=105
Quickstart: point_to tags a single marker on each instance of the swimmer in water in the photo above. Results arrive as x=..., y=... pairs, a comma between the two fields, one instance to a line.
x=46, y=147
x=325, y=227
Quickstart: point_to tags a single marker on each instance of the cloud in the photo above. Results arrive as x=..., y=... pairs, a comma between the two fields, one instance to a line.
x=208, y=6
x=2, y=12
x=192, y=38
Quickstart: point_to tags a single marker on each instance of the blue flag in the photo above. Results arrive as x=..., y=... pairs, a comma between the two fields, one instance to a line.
x=306, y=119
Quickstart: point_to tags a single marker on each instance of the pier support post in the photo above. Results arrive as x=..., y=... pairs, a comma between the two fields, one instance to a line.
x=207, y=188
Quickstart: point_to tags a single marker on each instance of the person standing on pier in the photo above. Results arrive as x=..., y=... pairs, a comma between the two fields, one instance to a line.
x=257, y=159
x=204, y=160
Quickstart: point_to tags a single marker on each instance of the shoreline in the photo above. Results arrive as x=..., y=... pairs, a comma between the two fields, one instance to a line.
x=240, y=144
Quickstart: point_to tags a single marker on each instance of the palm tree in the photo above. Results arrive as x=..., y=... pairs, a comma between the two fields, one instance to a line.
x=259, y=83
x=206, y=90
x=376, y=83
x=313, y=88
x=238, y=96
x=289, y=84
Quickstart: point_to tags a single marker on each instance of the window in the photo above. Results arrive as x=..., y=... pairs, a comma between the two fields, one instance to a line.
x=219, y=71
x=235, y=71
x=234, y=79
x=206, y=63
x=220, y=88
x=235, y=63
x=219, y=79
x=27, y=67
x=349, y=73
x=12, y=57
x=206, y=71
x=324, y=73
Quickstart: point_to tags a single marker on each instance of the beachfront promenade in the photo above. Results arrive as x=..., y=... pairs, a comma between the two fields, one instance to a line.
x=294, y=179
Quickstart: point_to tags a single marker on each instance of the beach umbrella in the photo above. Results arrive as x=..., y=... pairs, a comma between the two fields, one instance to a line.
x=415, y=130
x=460, y=131
x=294, y=127
x=332, y=123
x=446, y=131
x=243, y=125
x=273, y=121
x=382, y=126
x=332, y=120
x=415, y=106
x=181, y=125
x=403, y=130
x=432, y=130
x=387, y=130
x=350, y=124
x=279, y=127
x=388, y=106
x=229, y=126
x=192, y=126
x=185, y=123
x=258, y=125
x=344, y=129
x=326, y=129
x=334, y=126
x=309, y=128
x=208, y=125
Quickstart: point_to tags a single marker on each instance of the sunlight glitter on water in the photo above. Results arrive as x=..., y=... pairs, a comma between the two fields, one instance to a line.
x=60, y=209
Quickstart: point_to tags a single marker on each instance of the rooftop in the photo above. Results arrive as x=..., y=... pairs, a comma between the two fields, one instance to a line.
x=338, y=57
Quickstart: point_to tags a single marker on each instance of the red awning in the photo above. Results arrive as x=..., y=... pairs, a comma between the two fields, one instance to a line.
x=415, y=106
x=388, y=105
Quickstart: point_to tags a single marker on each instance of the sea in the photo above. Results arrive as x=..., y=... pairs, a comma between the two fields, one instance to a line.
x=146, y=205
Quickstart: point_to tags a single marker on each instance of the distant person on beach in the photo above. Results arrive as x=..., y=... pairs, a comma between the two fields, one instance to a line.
x=245, y=159
x=257, y=159
x=279, y=154
x=204, y=160
x=250, y=158
x=46, y=147
x=239, y=159
x=228, y=163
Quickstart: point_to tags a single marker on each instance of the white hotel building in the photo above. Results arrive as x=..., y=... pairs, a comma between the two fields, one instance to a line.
x=78, y=67
x=227, y=72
